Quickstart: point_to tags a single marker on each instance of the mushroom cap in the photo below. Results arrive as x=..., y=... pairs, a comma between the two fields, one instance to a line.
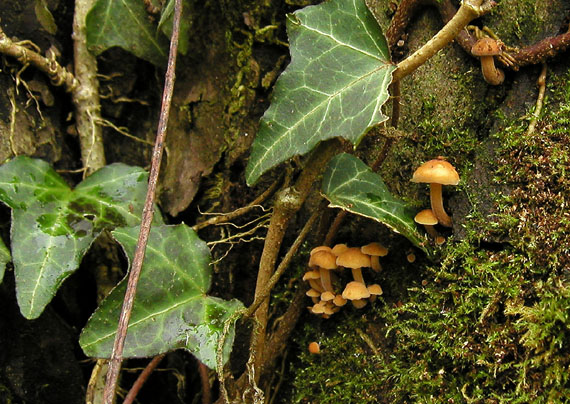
x=327, y=296
x=426, y=216
x=313, y=293
x=320, y=248
x=339, y=301
x=323, y=259
x=486, y=47
x=375, y=289
x=314, y=348
x=355, y=291
x=311, y=275
x=436, y=171
x=318, y=308
x=339, y=249
x=353, y=258
x=374, y=248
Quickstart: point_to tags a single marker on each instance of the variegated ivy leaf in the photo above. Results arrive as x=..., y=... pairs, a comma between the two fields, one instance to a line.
x=335, y=85
x=171, y=309
x=53, y=225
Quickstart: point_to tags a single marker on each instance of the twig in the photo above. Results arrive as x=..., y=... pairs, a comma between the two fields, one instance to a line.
x=58, y=74
x=541, y=82
x=148, y=213
x=469, y=10
x=528, y=55
x=238, y=212
x=137, y=385
x=85, y=96
x=264, y=294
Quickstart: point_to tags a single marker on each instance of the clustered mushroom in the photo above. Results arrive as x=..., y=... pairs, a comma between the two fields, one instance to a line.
x=324, y=261
x=435, y=172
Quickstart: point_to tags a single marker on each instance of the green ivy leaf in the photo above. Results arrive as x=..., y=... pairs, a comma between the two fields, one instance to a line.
x=334, y=86
x=53, y=226
x=351, y=185
x=125, y=23
x=171, y=308
x=4, y=258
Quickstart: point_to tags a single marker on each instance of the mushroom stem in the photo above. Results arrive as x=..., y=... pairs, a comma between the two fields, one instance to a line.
x=357, y=275
x=326, y=279
x=491, y=74
x=316, y=285
x=431, y=231
x=375, y=263
x=437, y=205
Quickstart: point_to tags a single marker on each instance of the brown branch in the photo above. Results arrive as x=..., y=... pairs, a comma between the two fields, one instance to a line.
x=469, y=10
x=85, y=96
x=542, y=50
x=283, y=265
x=148, y=213
x=288, y=202
x=141, y=380
x=58, y=75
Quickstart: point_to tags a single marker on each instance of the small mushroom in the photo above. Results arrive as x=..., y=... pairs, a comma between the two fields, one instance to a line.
x=314, y=348
x=327, y=296
x=313, y=293
x=437, y=173
x=354, y=259
x=339, y=249
x=325, y=260
x=339, y=301
x=375, y=250
x=355, y=291
x=486, y=49
x=375, y=290
x=428, y=219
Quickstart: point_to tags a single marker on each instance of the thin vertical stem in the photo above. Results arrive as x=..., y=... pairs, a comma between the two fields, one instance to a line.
x=148, y=213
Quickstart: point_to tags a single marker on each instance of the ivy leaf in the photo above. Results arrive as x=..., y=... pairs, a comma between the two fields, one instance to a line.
x=171, y=308
x=334, y=86
x=53, y=225
x=4, y=258
x=351, y=185
x=125, y=23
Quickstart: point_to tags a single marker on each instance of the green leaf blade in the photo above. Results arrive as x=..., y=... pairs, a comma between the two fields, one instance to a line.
x=351, y=185
x=125, y=23
x=171, y=309
x=335, y=85
x=53, y=226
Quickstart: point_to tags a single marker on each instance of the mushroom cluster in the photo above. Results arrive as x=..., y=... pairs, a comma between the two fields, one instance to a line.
x=436, y=173
x=323, y=263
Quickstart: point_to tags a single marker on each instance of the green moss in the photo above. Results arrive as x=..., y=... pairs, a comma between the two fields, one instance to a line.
x=490, y=322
